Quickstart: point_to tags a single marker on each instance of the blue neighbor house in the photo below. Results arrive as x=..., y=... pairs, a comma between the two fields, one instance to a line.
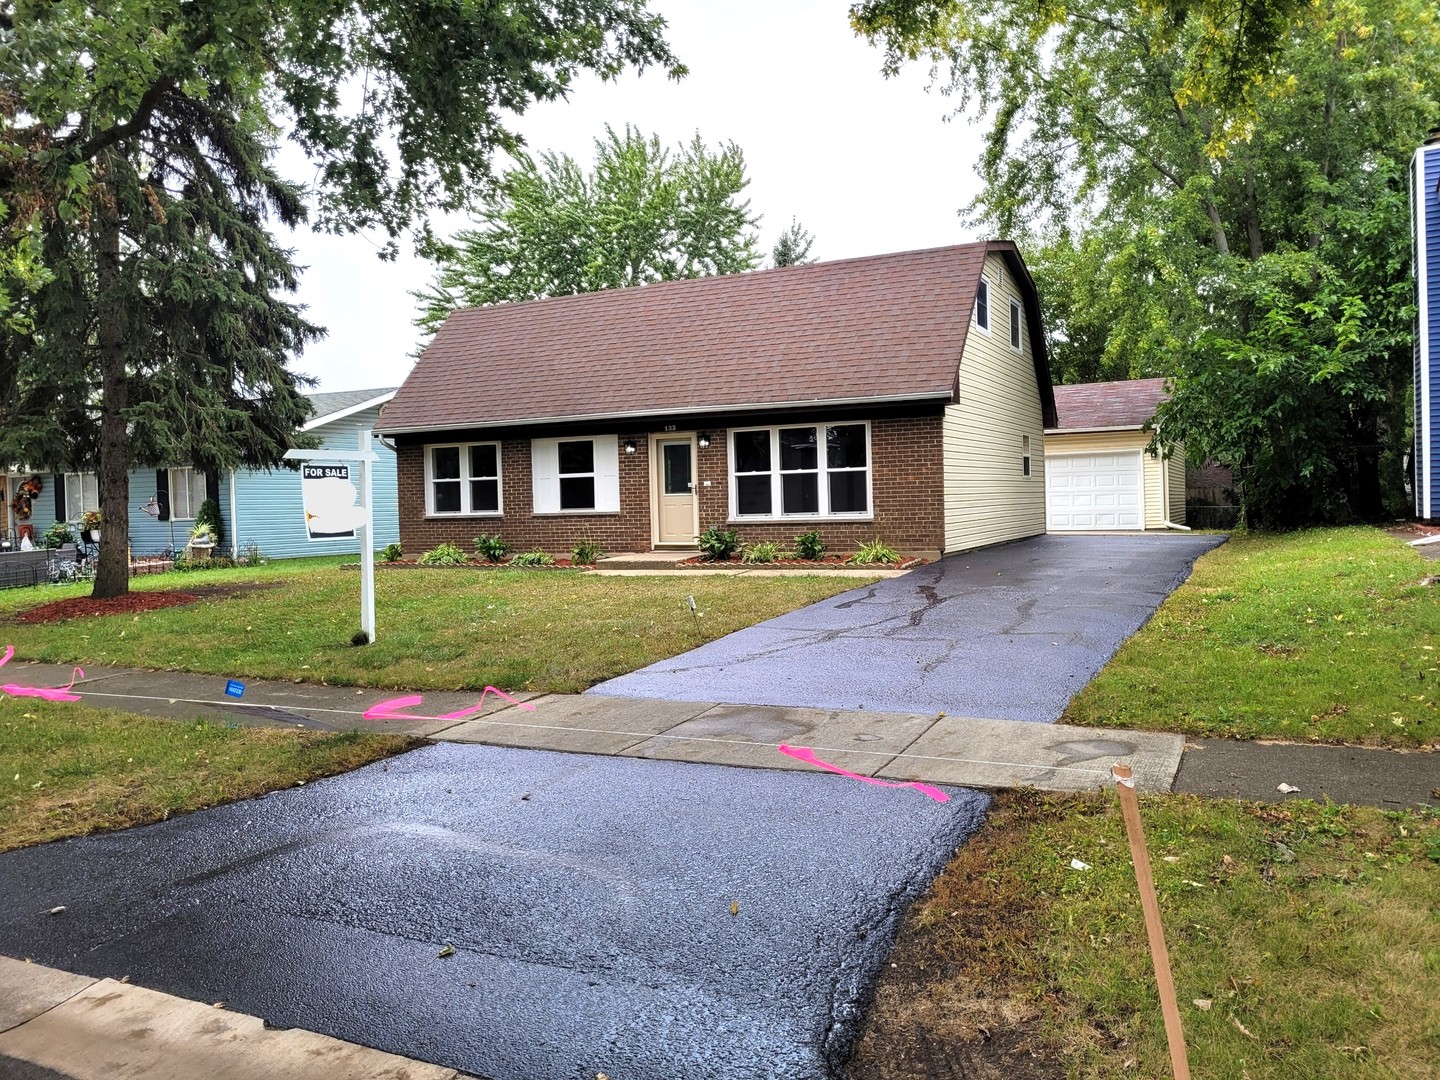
x=1425, y=213
x=262, y=508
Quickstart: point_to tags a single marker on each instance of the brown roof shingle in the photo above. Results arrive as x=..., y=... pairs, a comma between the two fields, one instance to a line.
x=885, y=326
x=1127, y=404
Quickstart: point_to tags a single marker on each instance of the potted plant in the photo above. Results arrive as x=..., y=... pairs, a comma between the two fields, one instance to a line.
x=202, y=539
x=57, y=535
x=90, y=526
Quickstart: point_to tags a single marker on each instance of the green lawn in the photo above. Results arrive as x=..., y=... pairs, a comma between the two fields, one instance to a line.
x=67, y=769
x=1310, y=933
x=554, y=631
x=1321, y=635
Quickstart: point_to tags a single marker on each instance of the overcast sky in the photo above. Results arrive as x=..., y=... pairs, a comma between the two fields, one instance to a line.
x=866, y=164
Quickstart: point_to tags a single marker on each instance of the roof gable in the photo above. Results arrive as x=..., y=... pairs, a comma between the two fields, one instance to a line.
x=1130, y=403
x=341, y=403
x=879, y=328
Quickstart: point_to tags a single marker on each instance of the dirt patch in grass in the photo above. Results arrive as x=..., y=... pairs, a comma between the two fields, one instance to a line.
x=1302, y=941
x=79, y=607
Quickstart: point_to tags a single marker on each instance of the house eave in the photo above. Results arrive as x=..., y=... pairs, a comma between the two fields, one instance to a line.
x=644, y=414
x=330, y=418
x=1092, y=430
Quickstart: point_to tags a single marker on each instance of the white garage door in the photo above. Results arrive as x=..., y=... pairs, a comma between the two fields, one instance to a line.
x=1093, y=491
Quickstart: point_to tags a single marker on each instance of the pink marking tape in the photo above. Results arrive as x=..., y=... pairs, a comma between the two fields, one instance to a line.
x=391, y=709
x=47, y=693
x=805, y=754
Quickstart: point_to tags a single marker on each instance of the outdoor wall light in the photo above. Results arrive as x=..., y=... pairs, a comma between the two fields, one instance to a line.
x=629, y=446
x=702, y=440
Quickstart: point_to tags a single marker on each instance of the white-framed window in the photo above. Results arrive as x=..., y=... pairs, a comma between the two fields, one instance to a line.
x=463, y=479
x=82, y=493
x=1024, y=455
x=187, y=492
x=800, y=471
x=982, y=305
x=1015, y=325
x=576, y=476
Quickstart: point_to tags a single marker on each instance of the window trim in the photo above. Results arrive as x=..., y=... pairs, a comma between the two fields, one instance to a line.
x=593, y=476
x=189, y=491
x=605, y=450
x=983, y=289
x=1017, y=337
x=1025, y=459
x=465, y=511
x=75, y=481
x=822, y=472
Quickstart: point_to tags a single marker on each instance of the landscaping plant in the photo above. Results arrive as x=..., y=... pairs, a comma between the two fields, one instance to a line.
x=766, y=551
x=587, y=553
x=717, y=544
x=491, y=548
x=533, y=558
x=809, y=546
x=874, y=552
x=392, y=553
x=209, y=515
x=57, y=535
x=443, y=555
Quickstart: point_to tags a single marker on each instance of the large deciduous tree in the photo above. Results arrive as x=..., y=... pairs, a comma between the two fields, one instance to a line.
x=1262, y=265
x=144, y=301
x=643, y=213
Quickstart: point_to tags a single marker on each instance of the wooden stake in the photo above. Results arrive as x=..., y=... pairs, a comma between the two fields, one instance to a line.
x=1140, y=856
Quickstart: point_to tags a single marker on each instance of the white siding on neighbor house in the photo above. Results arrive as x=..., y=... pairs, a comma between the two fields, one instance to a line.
x=1113, y=442
x=988, y=499
x=272, y=513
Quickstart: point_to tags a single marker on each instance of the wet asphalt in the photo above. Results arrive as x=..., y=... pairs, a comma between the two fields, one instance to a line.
x=1008, y=633
x=588, y=901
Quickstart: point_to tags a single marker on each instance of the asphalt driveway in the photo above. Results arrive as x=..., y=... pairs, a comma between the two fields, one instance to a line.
x=1008, y=633
x=644, y=919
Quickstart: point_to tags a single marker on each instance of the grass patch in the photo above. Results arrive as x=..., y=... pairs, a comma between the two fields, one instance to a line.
x=1315, y=928
x=1321, y=635
x=67, y=769
x=437, y=630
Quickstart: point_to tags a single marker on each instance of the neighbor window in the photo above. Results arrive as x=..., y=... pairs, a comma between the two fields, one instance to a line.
x=815, y=470
x=982, y=305
x=82, y=492
x=463, y=479
x=576, y=476
x=1024, y=455
x=1015, y=325
x=187, y=492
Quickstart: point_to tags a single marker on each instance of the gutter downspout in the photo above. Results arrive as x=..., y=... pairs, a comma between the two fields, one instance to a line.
x=234, y=522
x=1165, y=492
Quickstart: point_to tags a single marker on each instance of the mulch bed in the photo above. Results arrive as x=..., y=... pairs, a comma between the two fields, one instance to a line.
x=411, y=564
x=829, y=562
x=81, y=606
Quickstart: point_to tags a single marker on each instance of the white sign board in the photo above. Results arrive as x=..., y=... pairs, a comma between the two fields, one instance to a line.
x=330, y=497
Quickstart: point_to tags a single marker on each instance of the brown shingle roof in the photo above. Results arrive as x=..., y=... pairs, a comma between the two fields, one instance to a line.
x=1089, y=406
x=885, y=326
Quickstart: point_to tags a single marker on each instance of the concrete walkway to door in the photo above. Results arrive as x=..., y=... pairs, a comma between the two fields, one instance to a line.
x=1009, y=632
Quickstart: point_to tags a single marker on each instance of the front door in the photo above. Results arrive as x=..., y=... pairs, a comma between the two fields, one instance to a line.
x=675, y=470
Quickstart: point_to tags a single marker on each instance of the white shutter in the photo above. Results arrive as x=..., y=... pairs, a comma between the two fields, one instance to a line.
x=545, y=476
x=607, y=473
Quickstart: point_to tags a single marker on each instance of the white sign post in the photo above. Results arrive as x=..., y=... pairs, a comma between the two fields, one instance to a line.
x=335, y=514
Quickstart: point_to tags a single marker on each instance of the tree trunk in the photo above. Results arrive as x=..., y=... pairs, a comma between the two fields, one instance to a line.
x=112, y=577
x=1252, y=214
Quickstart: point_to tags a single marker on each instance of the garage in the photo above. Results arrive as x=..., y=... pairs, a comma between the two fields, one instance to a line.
x=1094, y=491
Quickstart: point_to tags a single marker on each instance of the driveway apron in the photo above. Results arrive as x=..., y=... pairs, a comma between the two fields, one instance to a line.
x=1009, y=633
x=514, y=914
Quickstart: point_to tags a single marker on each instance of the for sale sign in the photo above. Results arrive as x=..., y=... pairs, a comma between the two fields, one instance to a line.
x=330, y=500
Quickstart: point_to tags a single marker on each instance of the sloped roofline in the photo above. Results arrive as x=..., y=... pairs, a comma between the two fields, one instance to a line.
x=350, y=410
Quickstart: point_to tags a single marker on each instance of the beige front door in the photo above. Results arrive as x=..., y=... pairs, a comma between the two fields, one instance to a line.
x=675, y=487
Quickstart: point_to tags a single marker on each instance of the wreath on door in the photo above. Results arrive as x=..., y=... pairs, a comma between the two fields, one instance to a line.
x=24, y=495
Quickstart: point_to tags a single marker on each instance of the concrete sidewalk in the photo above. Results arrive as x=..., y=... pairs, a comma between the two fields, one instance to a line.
x=59, y=1026
x=960, y=750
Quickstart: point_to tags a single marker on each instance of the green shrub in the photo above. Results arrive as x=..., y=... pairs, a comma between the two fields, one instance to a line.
x=874, y=552
x=214, y=562
x=443, y=555
x=57, y=535
x=587, y=553
x=209, y=514
x=764, y=552
x=532, y=558
x=718, y=544
x=808, y=545
x=392, y=553
x=491, y=548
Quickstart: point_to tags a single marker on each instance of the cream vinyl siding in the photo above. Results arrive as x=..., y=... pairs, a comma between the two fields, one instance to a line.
x=988, y=499
x=1103, y=442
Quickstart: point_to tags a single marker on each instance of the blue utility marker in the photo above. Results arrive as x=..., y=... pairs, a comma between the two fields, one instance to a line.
x=235, y=688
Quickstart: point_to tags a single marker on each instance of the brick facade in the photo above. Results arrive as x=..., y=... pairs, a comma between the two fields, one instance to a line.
x=906, y=482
